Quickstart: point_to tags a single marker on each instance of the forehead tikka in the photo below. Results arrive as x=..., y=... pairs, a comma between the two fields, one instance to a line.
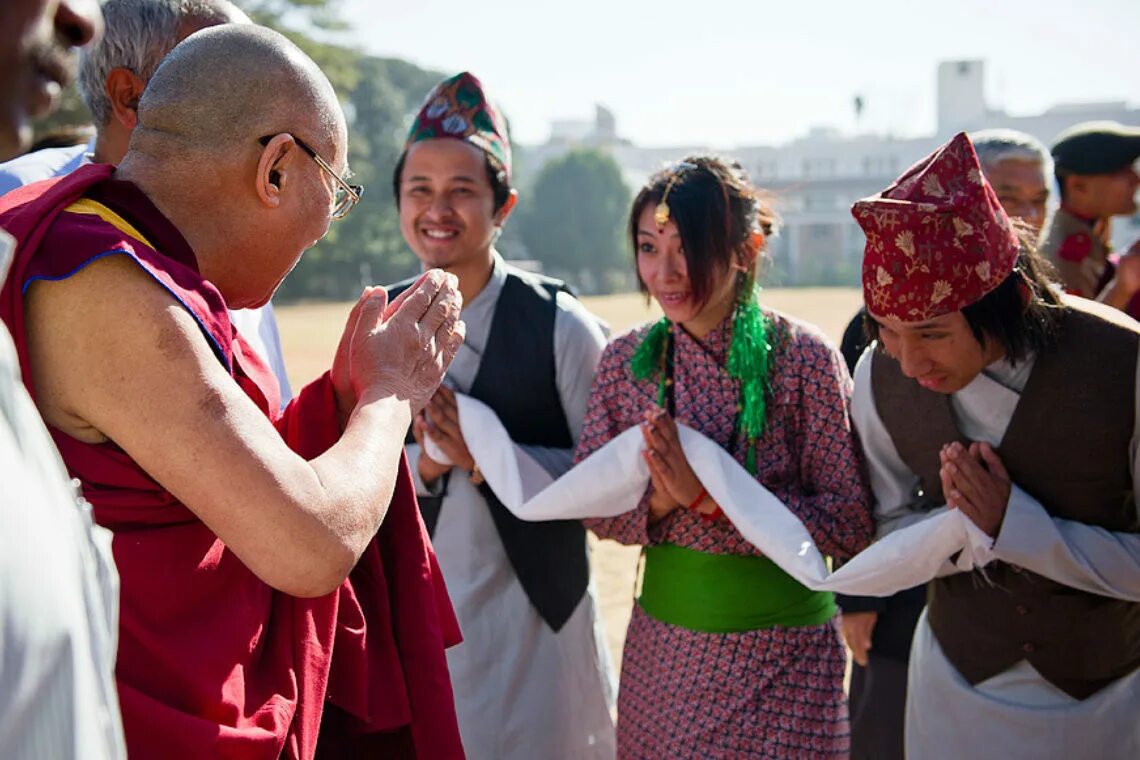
x=661, y=212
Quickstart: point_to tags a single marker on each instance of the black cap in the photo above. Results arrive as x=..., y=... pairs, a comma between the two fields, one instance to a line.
x=1096, y=147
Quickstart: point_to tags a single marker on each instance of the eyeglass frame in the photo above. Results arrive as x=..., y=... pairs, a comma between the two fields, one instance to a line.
x=351, y=191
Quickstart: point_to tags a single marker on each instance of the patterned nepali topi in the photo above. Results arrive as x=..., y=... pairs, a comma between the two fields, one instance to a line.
x=458, y=108
x=937, y=239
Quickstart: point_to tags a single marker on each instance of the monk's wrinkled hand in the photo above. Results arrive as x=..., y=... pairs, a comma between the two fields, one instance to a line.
x=404, y=348
x=341, y=373
x=975, y=481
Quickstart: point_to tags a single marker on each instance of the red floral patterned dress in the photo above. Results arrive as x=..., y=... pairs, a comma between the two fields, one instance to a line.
x=774, y=692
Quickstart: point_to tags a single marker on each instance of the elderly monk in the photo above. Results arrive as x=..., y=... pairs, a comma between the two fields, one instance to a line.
x=988, y=393
x=257, y=592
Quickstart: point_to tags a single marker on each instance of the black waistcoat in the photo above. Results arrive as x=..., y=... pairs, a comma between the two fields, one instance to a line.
x=517, y=380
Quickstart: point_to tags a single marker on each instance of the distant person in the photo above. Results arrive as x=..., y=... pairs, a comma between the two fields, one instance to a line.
x=726, y=655
x=58, y=585
x=112, y=75
x=274, y=571
x=1095, y=164
x=879, y=630
x=989, y=393
x=532, y=677
x=1017, y=166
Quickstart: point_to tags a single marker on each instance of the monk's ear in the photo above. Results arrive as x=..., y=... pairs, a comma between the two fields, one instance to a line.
x=507, y=207
x=273, y=169
x=124, y=88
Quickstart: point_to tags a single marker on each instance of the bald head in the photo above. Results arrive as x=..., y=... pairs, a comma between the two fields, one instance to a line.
x=248, y=207
x=226, y=86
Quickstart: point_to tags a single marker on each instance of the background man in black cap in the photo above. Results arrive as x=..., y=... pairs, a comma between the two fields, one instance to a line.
x=1096, y=176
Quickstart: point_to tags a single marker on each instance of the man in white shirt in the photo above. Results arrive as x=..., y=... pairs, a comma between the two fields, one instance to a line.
x=532, y=677
x=112, y=76
x=987, y=393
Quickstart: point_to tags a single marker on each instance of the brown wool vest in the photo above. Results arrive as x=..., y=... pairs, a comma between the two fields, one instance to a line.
x=1067, y=446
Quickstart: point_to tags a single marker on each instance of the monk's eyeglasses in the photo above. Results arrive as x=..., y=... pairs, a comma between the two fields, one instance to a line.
x=345, y=196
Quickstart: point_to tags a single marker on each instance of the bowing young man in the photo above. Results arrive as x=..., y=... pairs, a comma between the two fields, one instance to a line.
x=986, y=392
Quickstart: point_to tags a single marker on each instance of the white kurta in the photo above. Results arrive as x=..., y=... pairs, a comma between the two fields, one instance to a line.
x=59, y=593
x=1015, y=714
x=521, y=690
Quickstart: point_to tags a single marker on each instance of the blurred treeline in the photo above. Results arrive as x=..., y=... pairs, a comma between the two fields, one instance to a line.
x=569, y=220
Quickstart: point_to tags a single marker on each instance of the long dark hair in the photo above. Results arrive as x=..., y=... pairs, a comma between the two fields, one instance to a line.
x=716, y=209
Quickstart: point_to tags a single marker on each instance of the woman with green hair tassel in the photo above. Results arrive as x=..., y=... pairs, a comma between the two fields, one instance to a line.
x=726, y=655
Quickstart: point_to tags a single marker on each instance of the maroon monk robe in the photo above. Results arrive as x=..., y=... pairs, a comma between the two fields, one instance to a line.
x=212, y=661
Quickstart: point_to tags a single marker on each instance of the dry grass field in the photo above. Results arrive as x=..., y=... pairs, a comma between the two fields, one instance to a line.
x=309, y=334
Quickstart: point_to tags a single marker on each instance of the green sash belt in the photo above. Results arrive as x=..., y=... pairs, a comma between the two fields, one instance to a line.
x=726, y=593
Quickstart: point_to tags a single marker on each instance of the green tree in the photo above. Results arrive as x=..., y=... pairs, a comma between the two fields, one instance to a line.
x=286, y=16
x=574, y=221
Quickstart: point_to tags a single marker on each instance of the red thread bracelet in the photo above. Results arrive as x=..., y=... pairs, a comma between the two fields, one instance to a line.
x=697, y=501
x=713, y=516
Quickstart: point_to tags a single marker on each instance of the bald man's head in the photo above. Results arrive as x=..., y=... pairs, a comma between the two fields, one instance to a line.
x=226, y=86
x=228, y=131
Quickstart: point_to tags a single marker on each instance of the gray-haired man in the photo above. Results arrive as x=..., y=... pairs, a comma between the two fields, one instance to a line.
x=1016, y=165
x=112, y=76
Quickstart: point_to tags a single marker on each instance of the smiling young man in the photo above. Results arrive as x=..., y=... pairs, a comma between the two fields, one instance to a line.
x=532, y=677
x=989, y=394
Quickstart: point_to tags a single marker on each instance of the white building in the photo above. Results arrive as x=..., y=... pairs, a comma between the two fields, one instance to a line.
x=814, y=180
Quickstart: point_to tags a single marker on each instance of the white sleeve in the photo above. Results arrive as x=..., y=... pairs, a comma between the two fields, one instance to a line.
x=578, y=344
x=1081, y=556
x=434, y=488
x=894, y=486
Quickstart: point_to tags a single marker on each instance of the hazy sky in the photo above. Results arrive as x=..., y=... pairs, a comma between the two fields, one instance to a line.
x=722, y=73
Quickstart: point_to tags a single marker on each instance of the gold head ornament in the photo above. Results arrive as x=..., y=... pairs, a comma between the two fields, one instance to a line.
x=661, y=211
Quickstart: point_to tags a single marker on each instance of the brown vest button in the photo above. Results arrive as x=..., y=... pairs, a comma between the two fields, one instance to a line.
x=1028, y=647
x=1021, y=609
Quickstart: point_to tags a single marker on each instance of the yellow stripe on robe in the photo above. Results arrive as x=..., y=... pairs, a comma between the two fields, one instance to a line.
x=95, y=208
